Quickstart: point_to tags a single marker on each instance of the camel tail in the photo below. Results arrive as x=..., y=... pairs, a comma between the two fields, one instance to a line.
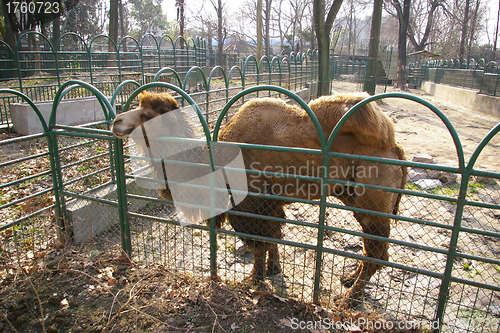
x=398, y=150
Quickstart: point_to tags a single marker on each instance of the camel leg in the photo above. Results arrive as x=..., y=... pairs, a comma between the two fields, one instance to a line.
x=273, y=263
x=371, y=248
x=259, y=263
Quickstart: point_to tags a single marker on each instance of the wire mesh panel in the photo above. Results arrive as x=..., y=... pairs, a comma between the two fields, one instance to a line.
x=88, y=183
x=27, y=203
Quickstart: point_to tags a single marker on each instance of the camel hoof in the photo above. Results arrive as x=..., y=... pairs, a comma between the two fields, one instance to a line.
x=273, y=270
x=349, y=301
x=347, y=281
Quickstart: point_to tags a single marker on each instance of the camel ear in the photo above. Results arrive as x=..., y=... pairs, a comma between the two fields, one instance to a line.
x=168, y=103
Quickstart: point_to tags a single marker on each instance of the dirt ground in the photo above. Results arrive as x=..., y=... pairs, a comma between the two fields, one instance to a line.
x=77, y=290
x=96, y=289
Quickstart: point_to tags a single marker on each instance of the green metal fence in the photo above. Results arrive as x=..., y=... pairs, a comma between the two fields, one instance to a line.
x=469, y=74
x=443, y=265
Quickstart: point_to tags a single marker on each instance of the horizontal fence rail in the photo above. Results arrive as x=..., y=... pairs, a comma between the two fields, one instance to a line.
x=105, y=189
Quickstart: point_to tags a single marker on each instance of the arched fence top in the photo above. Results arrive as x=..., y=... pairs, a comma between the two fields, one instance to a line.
x=247, y=60
x=493, y=65
x=30, y=102
x=212, y=72
x=261, y=63
x=481, y=63
x=167, y=37
x=103, y=37
x=26, y=34
x=230, y=75
x=9, y=49
x=435, y=110
x=190, y=39
x=199, y=70
x=472, y=62
x=168, y=69
x=123, y=41
x=287, y=60
x=74, y=35
x=479, y=149
x=274, y=61
x=178, y=39
x=178, y=90
x=150, y=36
x=280, y=90
x=120, y=87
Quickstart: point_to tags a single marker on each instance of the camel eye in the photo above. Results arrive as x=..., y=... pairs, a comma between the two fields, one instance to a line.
x=145, y=117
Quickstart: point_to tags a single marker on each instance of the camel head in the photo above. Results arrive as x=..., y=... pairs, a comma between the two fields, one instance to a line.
x=151, y=105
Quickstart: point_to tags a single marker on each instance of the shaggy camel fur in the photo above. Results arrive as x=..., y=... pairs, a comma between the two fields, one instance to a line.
x=269, y=121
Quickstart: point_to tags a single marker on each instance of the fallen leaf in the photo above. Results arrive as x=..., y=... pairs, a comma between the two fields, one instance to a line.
x=282, y=299
x=318, y=309
x=256, y=299
x=286, y=322
x=234, y=327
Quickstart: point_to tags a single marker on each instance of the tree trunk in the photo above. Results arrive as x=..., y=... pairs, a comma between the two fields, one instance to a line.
x=122, y=24
x=372, y=66
x=496, y=30
x=465, y=23
x=11, y=34
x=56, y=31
x=268, y=27
x=259, y=30
x=220, y=36
x=404, y=18
x=113, y=31
x=322, y=29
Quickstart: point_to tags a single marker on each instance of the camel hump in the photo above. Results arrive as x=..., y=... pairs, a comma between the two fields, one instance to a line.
x=370, y=125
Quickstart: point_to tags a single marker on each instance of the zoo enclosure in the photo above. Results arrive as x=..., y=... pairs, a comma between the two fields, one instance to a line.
x=437, y=274
x=38, y=69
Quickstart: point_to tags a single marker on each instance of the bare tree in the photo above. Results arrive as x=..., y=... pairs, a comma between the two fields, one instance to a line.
x=113, y=23
x=465, y=24
x=496, y=30
x=371, y=69
x=403, y=18
x=427, y=17
x=323, y=28
x=181, y=18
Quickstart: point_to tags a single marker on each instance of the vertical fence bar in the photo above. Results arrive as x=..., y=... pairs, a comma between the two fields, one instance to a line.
x=321, y=225
x=121, y=189
x=445, y=285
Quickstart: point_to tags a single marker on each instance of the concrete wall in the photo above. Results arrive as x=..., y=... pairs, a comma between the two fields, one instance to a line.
x=69, y=112
x=467, y=98
x=88, y=219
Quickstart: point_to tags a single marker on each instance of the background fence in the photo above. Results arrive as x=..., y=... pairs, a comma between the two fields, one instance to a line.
x=77, y=181
x=474, y=75
x=38, y=69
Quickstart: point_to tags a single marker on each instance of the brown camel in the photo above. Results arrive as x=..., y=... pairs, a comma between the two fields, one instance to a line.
x=269, y=121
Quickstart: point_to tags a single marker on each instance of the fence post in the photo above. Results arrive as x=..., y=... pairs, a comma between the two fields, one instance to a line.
x=121, y=188
x=445, y=285
x=321, y=225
